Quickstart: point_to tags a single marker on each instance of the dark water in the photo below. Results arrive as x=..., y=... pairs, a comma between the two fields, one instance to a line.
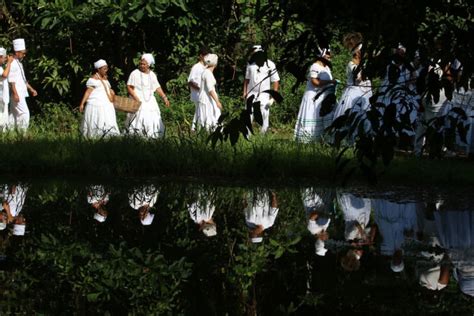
x=177, y=248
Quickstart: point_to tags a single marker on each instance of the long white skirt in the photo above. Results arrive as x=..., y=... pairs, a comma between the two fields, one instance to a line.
x=206, y=116
x=3, y=116
x=355, y=98
x=99, y=121
x=310, y=125
x=147, y=120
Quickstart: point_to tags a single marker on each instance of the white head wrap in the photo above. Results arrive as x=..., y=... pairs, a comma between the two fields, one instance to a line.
x=99, y=217
x=3, y=225
x=397, y=268
x=19, y=229
x=257, y=48
x=100, y=63
x=148, y=219
x=256, y=240
x=19, y=44
x=149, y=59
x=210, y=230
x=3, y=51
x=210, y=60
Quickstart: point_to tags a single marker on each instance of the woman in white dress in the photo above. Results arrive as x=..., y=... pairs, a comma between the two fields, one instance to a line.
x=209, y=107
x=99, y=113
x=358, y=91
x=141, y=85
x=310, y=124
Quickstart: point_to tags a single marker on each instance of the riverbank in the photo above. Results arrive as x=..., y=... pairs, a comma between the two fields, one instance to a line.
x=268, y=159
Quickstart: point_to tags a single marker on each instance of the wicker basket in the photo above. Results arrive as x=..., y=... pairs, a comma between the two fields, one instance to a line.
x=126, y=104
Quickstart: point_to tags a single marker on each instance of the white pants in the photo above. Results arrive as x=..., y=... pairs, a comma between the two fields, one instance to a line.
x=423, y=117
x=265, y=110
x=19, y=114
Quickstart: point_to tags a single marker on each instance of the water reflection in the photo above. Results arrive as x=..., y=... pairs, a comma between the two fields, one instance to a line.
x=321, y=249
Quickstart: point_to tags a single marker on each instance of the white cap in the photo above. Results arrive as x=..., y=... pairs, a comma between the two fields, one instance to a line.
x=3, y=51
x=19, y=229
x=210, y=230
x=148, y=219
x=3, y=225
x=100, y=63
x=397, y=268
x=257, y=48
x=256, y=240
x=149, y=59
x=210, y=60
x=19, y=44
x=99, y=217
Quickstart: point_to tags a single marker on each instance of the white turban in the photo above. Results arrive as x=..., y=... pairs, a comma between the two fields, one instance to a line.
x=397, y=267
x=99, y=217
x=100, y=63
x=256, y=240
x=148, y=219
x=149, y=59
x=19, y=229
x=3, y=225
x=19, y=44
x=210, y=230
x=210, y=60
x=3, y=51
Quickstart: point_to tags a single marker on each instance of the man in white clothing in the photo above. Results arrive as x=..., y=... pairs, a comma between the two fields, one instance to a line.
x=194, y=79
x=261, y=75
x=19, y=112
x=4, y=88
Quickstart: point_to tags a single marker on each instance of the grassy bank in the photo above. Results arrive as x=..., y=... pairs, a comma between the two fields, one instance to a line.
x=265, y=158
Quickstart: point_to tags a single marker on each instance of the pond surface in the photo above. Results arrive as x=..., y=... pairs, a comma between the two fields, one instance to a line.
x=177, y=248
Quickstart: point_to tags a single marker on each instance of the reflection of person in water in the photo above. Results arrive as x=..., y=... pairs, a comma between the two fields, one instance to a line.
x=261, y=209
x=318, y=207
x=143, y=199
x=14, y=199
x=456, y=234
x=396, y=221
x=357, y=229
x=433, y=270
x=97, y=197
x=201, y=212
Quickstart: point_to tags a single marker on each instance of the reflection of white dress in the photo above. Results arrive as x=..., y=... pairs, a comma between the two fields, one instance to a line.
x=393, y=219
x=310, y=125
x=15, y=200
x=259, y=211
x=207, y=112
x=99, y=115
x=356, y=95
x=144, y=196
x=356, y=210
x=147, y=120
x=97, y=194
x=202, y=209
x=456, y=234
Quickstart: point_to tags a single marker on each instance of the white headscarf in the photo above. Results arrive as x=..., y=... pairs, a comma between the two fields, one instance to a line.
x=149, y=59
x=100, y=63
x=19, y=229
x=99, y=217
x=148, y=219
x=3, y=51
x=210, y=60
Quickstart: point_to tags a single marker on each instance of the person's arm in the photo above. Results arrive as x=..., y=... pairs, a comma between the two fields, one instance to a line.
x=84, y=98
x=444, y=275
x=246, y=84
x=6, y=71
x=273, y=201
x=161, y=93
x=15, y=95
x=34, y=93
x=213, y=95
x=276, y=85
x=131, y=91
x=193, y=86
x=6, y=207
